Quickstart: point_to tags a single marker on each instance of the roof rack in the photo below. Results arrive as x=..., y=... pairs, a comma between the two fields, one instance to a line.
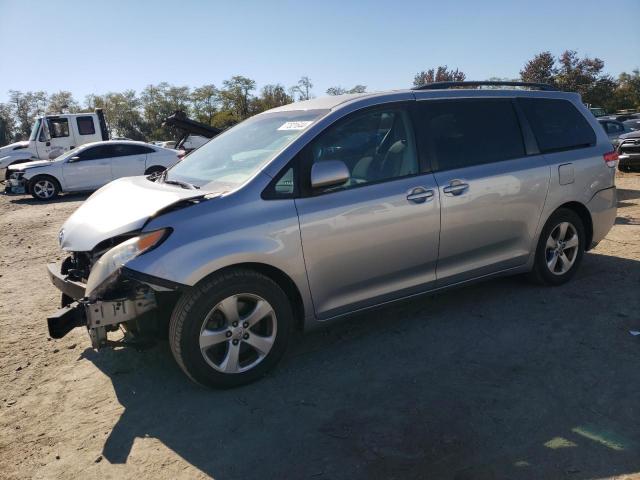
x=474, y=84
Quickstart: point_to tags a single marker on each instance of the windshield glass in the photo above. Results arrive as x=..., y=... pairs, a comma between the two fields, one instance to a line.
x=34, y=130
x=236, y=155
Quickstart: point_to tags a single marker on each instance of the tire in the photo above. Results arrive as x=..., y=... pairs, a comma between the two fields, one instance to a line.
x=44, y=188
x=556, y=263
x=205, y=316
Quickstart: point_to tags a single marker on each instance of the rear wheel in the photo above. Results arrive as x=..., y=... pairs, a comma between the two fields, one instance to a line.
x=560, y=248
x=232, y=329
x=44, y=187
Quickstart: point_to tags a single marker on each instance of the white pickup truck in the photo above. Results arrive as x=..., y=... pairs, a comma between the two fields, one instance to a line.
x=53, y=135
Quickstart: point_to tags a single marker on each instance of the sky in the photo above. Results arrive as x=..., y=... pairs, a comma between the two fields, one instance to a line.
x=111, y=45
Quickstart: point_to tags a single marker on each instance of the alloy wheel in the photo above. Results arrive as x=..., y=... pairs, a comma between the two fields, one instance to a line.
x=561, y=249
x=44, y=189
x=238, y=333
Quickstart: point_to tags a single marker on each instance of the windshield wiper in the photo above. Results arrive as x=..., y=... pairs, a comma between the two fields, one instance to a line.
x=163, y=178
x=186, y=185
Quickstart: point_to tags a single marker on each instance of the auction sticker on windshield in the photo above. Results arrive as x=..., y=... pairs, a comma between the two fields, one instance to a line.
x=294, y=125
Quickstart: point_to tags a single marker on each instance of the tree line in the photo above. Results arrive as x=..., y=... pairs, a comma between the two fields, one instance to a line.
x=140, y=116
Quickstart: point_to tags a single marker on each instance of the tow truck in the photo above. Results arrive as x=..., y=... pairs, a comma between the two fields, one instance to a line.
x=54, y=134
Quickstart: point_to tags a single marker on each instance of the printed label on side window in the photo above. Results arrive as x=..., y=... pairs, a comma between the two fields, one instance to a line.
x=294, y=125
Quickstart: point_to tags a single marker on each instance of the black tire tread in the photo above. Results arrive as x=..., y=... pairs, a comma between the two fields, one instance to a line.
x=538, y=274
x=187, y=301
x=55, y=181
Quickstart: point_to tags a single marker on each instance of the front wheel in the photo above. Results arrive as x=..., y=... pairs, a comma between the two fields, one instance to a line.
x=231, y=329
x=44, y=188
x=560, y=248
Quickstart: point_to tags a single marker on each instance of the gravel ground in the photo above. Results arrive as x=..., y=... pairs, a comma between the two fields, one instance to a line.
x=498, y=380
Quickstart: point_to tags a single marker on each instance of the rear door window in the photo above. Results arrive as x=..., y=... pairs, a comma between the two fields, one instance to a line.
x=125, y=150
x=557, y=124
x=86, y=126
x=462, y=133
x=96, y=153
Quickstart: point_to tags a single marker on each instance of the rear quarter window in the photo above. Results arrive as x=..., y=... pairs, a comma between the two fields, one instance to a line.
x=86, y=126
x=557, y=124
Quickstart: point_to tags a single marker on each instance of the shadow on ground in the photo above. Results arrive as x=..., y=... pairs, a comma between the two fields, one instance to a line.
x=66, y=197
x=498, y=380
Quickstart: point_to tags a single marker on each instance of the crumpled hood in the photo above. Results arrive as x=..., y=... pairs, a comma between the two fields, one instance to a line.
x=26, y=165
x=119, y=207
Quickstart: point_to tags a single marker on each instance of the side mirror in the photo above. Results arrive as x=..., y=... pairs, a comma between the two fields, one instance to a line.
x=74, y=159
x=329, y=173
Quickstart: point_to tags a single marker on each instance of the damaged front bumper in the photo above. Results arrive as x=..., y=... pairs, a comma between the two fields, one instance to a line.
x=15, y=185
x=130, y=296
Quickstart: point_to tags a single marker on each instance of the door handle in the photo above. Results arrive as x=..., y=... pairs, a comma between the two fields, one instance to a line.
x=456, y=187
x=419, y=195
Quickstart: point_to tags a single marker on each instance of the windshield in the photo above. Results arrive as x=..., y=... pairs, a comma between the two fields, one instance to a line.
x=35, y=129
x=234, y=156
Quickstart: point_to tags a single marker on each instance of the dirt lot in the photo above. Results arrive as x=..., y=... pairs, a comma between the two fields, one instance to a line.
x=499, y=380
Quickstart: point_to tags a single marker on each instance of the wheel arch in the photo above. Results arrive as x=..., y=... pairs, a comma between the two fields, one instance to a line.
x=41, y=175
x=284, y=281
x=583, y=212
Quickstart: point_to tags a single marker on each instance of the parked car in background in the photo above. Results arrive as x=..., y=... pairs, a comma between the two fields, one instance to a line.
x=193, y=142
x=633, y=123
x=598, y=111
x=614, y=129
x=88, y=167
x=52, y=135
x=168, y=144
x=629, y=151
x=285, y=221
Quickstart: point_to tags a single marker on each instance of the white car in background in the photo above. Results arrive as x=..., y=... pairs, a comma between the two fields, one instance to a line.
x=88, y=167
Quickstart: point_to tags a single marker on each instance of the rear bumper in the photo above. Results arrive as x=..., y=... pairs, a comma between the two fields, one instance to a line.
x=603, y=209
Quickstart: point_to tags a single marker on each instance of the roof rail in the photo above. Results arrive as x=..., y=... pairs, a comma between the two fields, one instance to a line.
x=475, y=84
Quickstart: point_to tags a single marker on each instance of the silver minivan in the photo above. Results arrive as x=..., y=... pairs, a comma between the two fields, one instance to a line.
x=322, y=208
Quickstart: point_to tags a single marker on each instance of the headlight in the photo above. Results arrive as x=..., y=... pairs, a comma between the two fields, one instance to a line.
x=119, y=255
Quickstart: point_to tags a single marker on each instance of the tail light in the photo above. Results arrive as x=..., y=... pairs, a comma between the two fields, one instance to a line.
x=611, y=158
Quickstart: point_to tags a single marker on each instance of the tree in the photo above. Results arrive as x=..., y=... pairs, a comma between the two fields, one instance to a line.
x=571, y=73
x=205, y=101
x=236, y=96
x=62, y=102
x=121, y=112
x=540, y=69
x=341, y=91
x=271, y=96
x=157, y=103
x=441, y=74
x=302, y=89
x=578, y=74
x=6, y=124
x=26, y=107
x=627, y=92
